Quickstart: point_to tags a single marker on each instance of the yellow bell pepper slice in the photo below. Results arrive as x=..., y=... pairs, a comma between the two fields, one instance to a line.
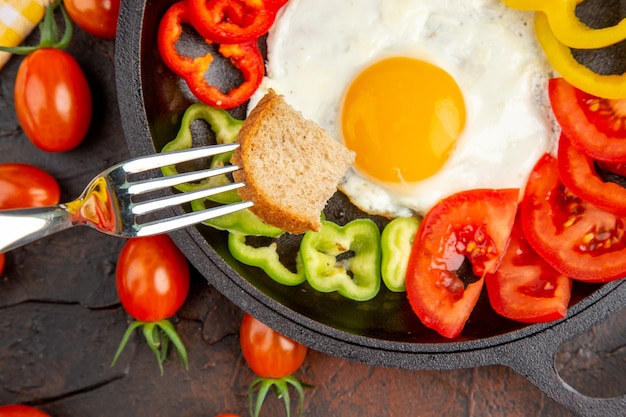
x=577, y=74
x=568, y=28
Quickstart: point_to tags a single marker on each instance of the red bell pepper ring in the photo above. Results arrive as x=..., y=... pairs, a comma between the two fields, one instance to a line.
x=246, y=57
x=233, y=21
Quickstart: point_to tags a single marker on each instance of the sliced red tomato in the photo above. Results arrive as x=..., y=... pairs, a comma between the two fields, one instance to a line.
x=595, y=125
x=579, y=175
x=577, y=238
x=472, y=225
x=525, y=287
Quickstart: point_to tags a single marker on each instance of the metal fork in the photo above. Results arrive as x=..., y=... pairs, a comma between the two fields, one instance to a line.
x=109, y=204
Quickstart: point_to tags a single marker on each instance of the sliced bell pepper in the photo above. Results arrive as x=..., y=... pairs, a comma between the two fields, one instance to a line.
x=345, y=259
x=266, y=258
x=577, y=74
x=226, y=129
x=245, y=56
x=233, y=21
x=567, y=27
x=396, y=244
x=242, y=222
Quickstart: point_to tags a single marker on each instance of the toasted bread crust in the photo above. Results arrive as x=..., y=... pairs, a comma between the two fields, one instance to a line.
x=290, y=165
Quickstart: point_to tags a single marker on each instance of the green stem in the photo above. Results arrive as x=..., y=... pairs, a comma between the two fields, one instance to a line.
x=49, y=32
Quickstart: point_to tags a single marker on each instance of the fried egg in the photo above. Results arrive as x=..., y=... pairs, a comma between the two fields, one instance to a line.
x=435, y=97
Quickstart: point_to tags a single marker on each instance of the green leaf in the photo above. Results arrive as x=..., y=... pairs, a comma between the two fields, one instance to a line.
x=281, y=388
x=125, y=338
x=170, y=332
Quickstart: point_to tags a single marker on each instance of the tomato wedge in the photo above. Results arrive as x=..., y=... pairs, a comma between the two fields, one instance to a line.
x=471, y=225
x=577, y=238
x=525, y=287
x=578, y=173
x=595, y=125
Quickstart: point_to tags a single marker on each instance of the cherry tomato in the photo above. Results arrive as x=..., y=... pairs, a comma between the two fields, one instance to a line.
x=595, y=125
x=19, y=410
x=578, y=173
x=52, y=100
x=2, y=260
x=227, y=415
x=23, y=185
x=268, y=353
x=152, y=278
x=98, y=17
x=574, y=236
x=469, y=226
x=525, y=287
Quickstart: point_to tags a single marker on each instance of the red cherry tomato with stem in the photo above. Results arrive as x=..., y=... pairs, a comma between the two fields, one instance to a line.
x=97, y=17
x=24, y=185
x=152, y=281
x=52, y=97
x=20, y=410
x=274, y=358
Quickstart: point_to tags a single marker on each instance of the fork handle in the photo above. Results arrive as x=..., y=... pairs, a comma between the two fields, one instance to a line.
x=22, y=226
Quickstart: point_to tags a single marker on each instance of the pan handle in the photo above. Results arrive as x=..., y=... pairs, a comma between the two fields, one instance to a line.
x=534, y=357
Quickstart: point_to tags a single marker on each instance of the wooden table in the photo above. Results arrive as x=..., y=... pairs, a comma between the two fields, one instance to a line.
x=61, y=321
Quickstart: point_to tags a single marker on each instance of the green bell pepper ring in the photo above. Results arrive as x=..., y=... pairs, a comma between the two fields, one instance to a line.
x=356, y=277
x=396, y=244
x=266, y=258
x=225, y=128
x=242, y=222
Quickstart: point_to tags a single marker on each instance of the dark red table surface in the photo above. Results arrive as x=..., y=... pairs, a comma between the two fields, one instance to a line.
x=61, y=321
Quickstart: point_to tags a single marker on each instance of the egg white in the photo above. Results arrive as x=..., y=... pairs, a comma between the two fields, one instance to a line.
x=317, y=47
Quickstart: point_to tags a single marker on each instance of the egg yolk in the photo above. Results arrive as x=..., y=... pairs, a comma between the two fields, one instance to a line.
x=402, y=117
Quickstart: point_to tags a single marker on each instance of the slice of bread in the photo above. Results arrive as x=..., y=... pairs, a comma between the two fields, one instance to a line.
x=290, y=165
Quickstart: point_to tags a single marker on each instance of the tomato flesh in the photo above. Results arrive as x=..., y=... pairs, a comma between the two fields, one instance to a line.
x=24, y=185
x=97, y=17
x=579, y=175
x=472, y=225
x=577, y=238
x=525, y=287
x=152, y=278
x=268, y=353
x=595, y=125
x=52, y=100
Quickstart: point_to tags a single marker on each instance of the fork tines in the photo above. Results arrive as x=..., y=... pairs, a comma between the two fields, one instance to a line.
x=143, y=186
x=172, y=158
